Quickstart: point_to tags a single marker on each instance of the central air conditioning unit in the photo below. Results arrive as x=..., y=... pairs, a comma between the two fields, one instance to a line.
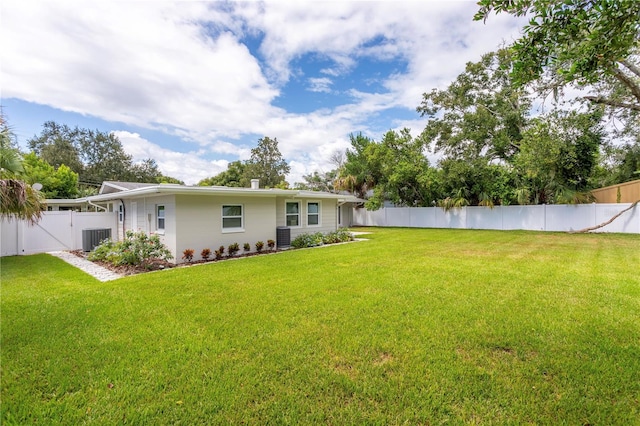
x=91, y=238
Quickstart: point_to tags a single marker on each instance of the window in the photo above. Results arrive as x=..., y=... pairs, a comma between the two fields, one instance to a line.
x=293, y=213
x=313, y=214
x=232, y=218
x=160, y=219
x=120, y=213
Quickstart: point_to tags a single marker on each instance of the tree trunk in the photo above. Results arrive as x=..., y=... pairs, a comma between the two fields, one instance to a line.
x=602, y=225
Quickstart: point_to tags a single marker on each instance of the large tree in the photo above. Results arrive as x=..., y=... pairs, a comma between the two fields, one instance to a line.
x=359, y=173
x=267, y=164
x=233, y=177
x=481, y=114
x=558, y=158
x=59, y=182
x=318, y=181
x=394, y=169
x=583, y=42
x=94, y=155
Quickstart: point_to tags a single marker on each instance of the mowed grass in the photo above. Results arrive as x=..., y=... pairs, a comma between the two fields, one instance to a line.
x=414, y=326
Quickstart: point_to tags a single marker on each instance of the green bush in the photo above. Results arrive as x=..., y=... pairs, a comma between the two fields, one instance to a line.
x=106, y=251
x=318, y=239
x=137, y=248
x=259, y=246
x=342, y=235
x=233, y=249
x=307, y=240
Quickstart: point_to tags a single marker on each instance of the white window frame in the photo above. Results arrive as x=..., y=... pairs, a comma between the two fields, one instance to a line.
x=319, y=214
x=120, y=213
x=286, y=215
x=160, y=230
x=223, y=217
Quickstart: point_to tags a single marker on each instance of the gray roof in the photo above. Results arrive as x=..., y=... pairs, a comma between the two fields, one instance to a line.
x=109, y=187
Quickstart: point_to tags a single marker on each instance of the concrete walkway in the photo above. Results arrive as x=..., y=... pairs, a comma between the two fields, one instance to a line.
x=96, y=271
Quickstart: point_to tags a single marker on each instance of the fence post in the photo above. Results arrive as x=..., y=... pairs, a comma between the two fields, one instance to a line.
x=20, y=237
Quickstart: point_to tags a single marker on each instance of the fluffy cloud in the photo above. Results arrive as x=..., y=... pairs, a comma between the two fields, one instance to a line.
x=189, y=167
x=186, y=69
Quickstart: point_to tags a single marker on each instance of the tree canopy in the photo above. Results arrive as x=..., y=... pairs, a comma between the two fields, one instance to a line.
x=94, y=155
x=585, y=42
x=234, y=176
x=266, y=164
x=56, y=183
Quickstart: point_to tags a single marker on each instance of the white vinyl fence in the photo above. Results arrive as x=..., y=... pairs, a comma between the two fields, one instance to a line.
x=535, y=218
x=61, y=230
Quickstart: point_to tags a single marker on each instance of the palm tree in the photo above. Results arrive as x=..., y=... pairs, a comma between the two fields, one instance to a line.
x=17, y=199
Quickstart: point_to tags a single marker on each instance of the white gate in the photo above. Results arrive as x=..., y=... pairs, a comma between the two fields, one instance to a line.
x=61, y=230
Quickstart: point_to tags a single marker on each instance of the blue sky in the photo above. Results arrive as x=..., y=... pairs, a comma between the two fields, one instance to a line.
x=194, y=85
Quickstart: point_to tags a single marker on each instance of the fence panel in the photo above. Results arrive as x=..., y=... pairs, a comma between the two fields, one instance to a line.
x=57, y=230
x=9, y=237
x=629, y=221
x=454, y=218
x=533, y=218
x=399, y=216
x=53, y=232
x=570, y=217
x=484, y=218
x=423, y=217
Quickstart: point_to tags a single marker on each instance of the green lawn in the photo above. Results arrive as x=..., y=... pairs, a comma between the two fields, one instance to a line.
x=411, y=327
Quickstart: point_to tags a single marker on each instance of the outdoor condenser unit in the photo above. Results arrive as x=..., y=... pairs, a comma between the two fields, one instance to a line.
x=283, y=237
x=91, y=238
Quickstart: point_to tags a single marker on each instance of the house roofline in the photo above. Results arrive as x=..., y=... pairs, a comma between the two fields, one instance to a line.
x=169, y=189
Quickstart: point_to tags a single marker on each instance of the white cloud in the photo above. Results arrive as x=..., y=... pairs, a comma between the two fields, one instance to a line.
x=320, y=84
x=189, y=167
x=182, y=68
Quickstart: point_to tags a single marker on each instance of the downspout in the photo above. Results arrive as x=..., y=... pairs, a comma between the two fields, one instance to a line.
x=124, y=216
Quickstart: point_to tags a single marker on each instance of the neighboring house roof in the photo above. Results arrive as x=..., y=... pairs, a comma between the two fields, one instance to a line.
x=121, y=190
x=109, y=187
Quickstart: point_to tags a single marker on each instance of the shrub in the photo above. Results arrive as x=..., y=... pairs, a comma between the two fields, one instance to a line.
x=307, y=240
x=259, y=246
x=247, y=247
x=137, y=248
x=187, y=255
x=105, y=251
x=271, y=244
x=317, y=239
x=342, y=235
x=233, y=249
x=219, y=253
x=205, y=254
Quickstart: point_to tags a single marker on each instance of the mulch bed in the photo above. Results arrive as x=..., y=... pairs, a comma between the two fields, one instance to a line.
x=154, y=265
x=158, y=265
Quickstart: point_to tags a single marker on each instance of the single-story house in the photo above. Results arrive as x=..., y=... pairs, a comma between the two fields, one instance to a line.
x=198, y=217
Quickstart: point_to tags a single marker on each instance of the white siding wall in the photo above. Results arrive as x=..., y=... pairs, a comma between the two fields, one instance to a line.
x=328, y=215
x=146, y=218
x=199, y=222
